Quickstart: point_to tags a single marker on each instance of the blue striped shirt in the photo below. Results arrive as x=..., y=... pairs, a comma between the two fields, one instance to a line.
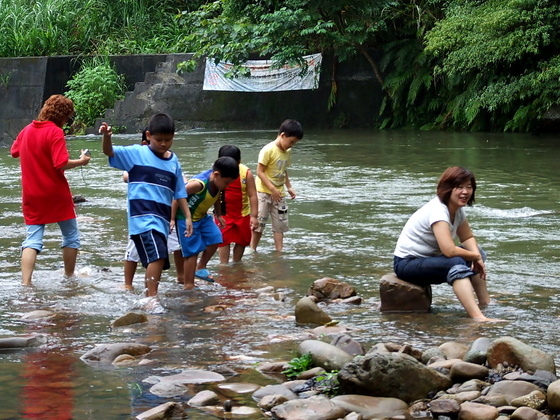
x=153, y=183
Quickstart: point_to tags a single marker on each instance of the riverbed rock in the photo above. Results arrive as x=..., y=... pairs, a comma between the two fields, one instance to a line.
x=454, y=350
x=308, y=312
x=40, y=314
x=391, y=375
x=463, y=371
x=204, y=398
x=478, y=351
x=232, y=389
x=269, y=401
x=279, y=390
x=445, y=406
x=328, y=289
x=400, y=296
x=476, y=411
x=313, y=408
x=348, y=344
x=33, y=340
x=535, y=399
x=516, y=353
x=527, y=413
x=371, y=407
x=511, y=390
x=129, y=319
x=106, y=353
x=163, y=411
x=325, y=355
x=553, y=396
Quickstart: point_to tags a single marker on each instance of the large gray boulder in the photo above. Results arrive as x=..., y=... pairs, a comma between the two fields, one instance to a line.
x=516, y=353
x=325, y=355
x=308, y=312
x=391, y=375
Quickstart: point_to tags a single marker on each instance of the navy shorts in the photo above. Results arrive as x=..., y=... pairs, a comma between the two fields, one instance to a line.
x=151, y=246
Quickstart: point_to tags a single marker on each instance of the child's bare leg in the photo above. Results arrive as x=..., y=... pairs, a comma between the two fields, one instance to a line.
x=28, y=258
x=207, y=254
x=481, y=291
x=69, y=256
x=278, y=241
x=179, y=266
x=189, y=269
x=129, y=271
x=255, y=239
x=223, y=253
x=153, y=276
x=238, y=251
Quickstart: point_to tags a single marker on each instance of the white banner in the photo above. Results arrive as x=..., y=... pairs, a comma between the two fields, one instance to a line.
x=263, y=77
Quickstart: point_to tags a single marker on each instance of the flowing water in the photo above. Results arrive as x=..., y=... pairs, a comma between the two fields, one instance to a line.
x=356, y=190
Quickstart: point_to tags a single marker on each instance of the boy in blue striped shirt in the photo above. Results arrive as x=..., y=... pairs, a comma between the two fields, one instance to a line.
x=155, y=180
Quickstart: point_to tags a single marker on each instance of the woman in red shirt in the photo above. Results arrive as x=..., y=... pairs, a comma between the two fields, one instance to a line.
x=46, y=196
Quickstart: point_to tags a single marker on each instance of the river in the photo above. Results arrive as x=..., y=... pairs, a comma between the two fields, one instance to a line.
x=356, y=190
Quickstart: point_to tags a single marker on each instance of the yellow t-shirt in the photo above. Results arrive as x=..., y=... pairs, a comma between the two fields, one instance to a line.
x=276, y=162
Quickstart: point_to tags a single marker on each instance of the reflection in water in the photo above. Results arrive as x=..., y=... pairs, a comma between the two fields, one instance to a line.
x=355, y=191
x=47, y=393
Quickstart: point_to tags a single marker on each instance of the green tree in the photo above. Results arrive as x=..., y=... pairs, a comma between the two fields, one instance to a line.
x=497, y=63
x=284, y=31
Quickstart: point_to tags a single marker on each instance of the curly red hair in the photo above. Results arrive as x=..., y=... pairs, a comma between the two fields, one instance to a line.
x=58, y=109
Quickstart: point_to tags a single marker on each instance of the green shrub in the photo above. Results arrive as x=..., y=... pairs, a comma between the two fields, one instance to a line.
x=298, y=365
x=95, y=88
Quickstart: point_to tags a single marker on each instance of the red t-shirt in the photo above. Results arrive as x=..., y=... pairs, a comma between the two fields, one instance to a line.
x=46, y=196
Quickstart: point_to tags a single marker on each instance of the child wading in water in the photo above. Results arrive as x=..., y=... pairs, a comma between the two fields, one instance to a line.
x=155, y=180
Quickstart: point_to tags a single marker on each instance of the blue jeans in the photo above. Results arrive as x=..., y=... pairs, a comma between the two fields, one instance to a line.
x=70, y=235
x=433, y=270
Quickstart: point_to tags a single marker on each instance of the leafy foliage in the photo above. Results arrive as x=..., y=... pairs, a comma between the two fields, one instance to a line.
x=327, y=383
x=298, y=365
x=232, y=30
x=95, y=88
x=57, y=27
x=498, y=61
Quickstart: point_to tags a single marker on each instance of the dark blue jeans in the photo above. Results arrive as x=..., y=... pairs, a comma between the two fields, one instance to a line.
x=433, y=270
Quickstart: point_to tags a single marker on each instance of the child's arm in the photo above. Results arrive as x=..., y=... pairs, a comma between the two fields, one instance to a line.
x=174, y=207
x=105, y=129
x=182, y=202
x=218, y=211
x=253, y=200
x=289, y=186
x=261, y=173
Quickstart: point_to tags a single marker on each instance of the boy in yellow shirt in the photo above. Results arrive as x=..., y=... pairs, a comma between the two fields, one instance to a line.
x=273, y=183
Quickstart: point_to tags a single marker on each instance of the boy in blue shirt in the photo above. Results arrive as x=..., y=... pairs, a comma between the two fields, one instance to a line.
x=203, y=191
x=155, y=179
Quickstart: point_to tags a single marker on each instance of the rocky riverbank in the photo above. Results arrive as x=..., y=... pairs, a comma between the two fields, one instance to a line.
x=489, y=378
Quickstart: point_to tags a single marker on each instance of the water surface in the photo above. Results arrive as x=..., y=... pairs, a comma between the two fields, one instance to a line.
x=356, y=190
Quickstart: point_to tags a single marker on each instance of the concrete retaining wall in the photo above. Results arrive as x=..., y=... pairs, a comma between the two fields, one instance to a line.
x=25, y=83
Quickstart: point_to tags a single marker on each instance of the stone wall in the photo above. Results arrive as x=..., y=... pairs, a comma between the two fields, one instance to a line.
x=25, y=83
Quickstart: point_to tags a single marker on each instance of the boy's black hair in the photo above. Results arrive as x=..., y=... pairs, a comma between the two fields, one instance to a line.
x=291, y=128
x=161, y=124
x=231, y=151
x=227, y=167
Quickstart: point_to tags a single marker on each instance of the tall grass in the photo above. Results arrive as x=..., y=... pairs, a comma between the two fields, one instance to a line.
x=68, y=27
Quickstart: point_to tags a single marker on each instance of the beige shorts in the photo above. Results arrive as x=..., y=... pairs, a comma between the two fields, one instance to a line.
x=278, y=212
